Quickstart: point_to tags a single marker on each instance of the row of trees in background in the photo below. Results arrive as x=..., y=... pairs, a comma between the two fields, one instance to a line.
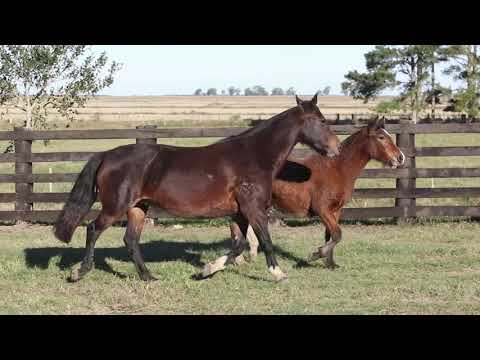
x=254, y=91
x=410, y=69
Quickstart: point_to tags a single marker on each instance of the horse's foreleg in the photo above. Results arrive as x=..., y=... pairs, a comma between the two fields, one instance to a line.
x=136, y=220
x=238, y=228
x=259, y=224
x=94, y=230
x=253, y=208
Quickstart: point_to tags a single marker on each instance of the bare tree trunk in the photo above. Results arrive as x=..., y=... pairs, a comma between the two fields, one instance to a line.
x=416, y=96
x=474, y=82
x=28, y=119
x=414, y=116
x=433, y=90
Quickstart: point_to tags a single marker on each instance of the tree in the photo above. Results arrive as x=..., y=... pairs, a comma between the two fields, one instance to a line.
x=435, y=54
x=465, y=67
x=326, y=91
x=248, y=92
x=259, y=90
x=223, y=93
x=277, y=91
x=233, y=91
x=405, y=67
x=290, y=91
x=38, y=78
x=212, y=92
x=198, y=92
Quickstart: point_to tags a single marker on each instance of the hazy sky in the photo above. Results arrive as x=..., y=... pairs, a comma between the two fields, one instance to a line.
x=180, y=69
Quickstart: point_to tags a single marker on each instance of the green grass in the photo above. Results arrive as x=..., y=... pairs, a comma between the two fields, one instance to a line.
x=423, y=268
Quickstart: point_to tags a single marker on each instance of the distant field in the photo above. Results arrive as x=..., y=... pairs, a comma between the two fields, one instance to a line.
x=167, y=110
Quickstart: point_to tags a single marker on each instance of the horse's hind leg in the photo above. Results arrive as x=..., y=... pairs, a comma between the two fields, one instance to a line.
x=238, y=228
x=253, y=242
x=136, y=220
x=333, y=235
x=94, y=230
x=328, y=260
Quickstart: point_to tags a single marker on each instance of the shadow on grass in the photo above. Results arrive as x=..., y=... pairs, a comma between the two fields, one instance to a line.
x=153, y=251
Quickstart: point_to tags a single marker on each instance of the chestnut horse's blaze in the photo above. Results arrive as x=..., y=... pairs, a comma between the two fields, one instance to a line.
x=232, y=177
x=331, y=183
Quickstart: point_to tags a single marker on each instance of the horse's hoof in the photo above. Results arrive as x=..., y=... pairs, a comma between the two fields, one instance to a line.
x=240, y=260
x=198, y=277
x=331, y=266
x=75, y=273
x=207, y=271
x=314, y=257
x=278, y=274
x=212, y=267
x=148, y=277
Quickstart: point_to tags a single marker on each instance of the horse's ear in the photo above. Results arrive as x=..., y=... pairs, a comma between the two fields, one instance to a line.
x=373, y=124
x=314, y=99
x=381, y=123
x=300, y=102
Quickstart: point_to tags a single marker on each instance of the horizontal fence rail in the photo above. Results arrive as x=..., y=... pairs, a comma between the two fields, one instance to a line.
x=405, y=191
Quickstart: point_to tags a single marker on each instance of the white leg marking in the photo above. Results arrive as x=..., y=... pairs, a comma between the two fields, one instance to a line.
x=252, y=241
x=213, y=267
x=278, y=274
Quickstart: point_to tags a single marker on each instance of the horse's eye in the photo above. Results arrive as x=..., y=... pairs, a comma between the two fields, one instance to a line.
x=381, y=137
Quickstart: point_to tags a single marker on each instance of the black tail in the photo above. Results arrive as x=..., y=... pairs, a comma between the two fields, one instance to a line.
x=80, y=201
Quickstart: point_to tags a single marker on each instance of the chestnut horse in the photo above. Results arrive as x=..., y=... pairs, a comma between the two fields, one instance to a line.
x=228, y=178
x=331, y=183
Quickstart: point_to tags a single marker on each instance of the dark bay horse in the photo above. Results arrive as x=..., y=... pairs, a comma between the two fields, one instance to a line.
x=331, y=183
x=228, y=178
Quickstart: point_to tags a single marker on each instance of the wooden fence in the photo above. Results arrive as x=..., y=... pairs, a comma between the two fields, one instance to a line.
x=405, y=193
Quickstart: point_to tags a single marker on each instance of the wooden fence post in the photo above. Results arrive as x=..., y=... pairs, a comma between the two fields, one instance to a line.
x=23, y=167
x=152, y=140
x=407, y=142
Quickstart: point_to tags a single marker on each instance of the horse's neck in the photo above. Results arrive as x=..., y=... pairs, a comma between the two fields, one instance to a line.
x=281, y=137
x=353, y=158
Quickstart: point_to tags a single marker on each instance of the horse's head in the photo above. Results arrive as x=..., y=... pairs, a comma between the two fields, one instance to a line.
x=315, y=131
x=380, y=144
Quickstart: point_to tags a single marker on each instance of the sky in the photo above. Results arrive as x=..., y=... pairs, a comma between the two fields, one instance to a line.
x=181, y=69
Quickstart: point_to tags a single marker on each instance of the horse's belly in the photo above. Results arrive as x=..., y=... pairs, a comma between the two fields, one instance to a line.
x=216, y=200
x=290, y=198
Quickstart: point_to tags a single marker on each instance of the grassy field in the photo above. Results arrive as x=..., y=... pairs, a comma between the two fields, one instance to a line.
x=427, y=268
